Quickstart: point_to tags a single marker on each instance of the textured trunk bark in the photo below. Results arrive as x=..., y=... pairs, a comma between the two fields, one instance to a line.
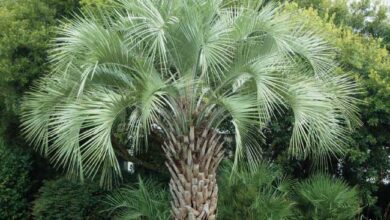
x=192, y=162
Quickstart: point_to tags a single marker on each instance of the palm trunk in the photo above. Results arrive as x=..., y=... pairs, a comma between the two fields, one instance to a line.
x=192, y=162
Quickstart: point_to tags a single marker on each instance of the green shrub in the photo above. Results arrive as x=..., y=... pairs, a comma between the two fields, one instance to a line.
x=14, y=183
x=146, y=200
x=263, y=194
x=65, y=199
x=323, y=197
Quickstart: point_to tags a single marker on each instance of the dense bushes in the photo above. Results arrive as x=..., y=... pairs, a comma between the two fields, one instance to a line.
x=262, y=195
x=323, y=197
x=268, y=194
x=145, y=200
x=65, y=199
x=14, y=183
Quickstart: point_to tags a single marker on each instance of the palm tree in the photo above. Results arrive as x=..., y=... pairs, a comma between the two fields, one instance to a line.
x=180, y=71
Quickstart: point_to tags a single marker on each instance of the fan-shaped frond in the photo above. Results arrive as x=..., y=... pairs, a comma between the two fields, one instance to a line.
x=144, y=25
x=79, y=130
x=37, y=107
x=242, y=110
x=318, y=127
x=142, y=201
x=322, y=196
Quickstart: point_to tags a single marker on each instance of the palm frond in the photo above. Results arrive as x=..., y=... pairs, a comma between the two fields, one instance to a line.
x=318, y=55
x=322, y=196
x=261, y=194
x=151, y=105
x=100, y=111
x=243, y=113
x=144, y=200
x=145, y=25
x=318, y=130
x=79, y=130
x=37, y=107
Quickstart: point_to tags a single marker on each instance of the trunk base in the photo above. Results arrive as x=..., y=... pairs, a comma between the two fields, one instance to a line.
x=192, y=162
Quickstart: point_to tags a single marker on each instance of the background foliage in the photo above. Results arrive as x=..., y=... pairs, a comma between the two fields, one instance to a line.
x=14, y=183
x=27, y=27
x=323, y=197
x=66, y=199
x=265, y=194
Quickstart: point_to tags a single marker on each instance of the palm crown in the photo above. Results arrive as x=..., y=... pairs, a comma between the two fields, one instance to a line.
x=169, y=67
